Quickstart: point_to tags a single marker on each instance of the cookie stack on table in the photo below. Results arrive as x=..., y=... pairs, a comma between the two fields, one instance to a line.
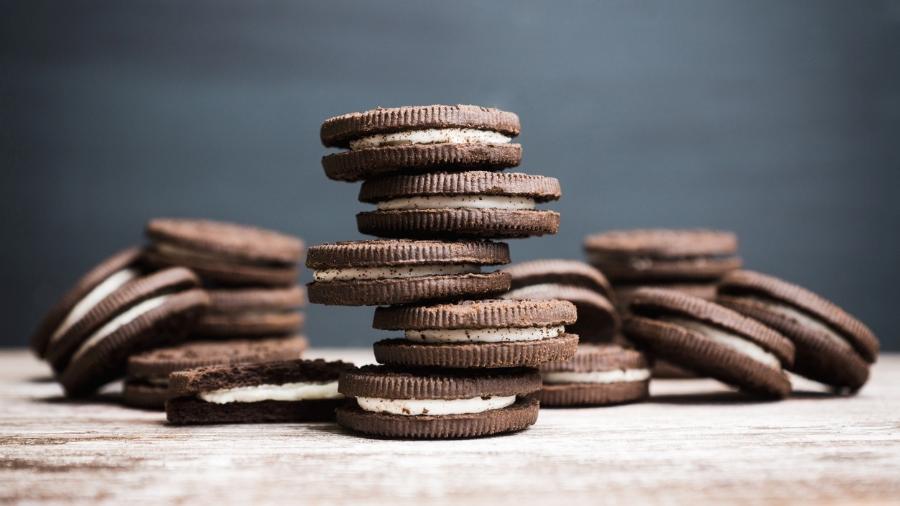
x=466, y=363
x=691, y=261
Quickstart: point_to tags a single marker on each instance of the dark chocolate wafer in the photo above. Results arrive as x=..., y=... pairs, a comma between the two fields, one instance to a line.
x=832, y=346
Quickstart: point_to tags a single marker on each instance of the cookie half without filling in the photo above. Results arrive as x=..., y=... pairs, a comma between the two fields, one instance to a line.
x=481, y=333
x=438, y=404
x=475, y=204
x=832, y=346
x=656, y=255
x=415, y=139
x=147, y=381
x=93, y=287
x=712, y=340
x=252, y=311
x=225, y=253
x=273, y=392
x=155, y=310
x=598, y=375
x=382, y=272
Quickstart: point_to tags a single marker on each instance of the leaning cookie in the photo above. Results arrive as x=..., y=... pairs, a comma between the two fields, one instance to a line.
x=475, y=204
x=438, y=404
x=289, y=391
x=225, y=253
x=252, y=312
x=481, y=333
x=832, y=346
x=382, y=272
x=420, y=139
x=92, y=288
x=151, y=311
x=560, y=272
x=712, y=340
x=147, y=381
x=598, y=319
x=598, y=375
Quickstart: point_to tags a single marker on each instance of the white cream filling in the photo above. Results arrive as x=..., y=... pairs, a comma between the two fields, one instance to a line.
x=725, y=338
x=458, y=202
x=93, y=297
x=805, y=320
x=494, y=335
x=407, y=271
x=437, y=407
x=124, y=318
x=600, y=377
x=431, y=136
x=301, y=391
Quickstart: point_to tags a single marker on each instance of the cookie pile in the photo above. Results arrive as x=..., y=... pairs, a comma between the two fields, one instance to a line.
x=228, y=290
x=465, y=364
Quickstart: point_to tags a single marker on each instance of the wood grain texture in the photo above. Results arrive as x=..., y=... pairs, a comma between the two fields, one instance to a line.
x=695, y=441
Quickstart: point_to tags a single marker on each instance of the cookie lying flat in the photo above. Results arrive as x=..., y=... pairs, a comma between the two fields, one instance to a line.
x=598, y=319
x=483, y=333
x=273, y=392
x=645, y=255
x=712, y=340
x=832, y=346
x=252, y=311
x=225, y=253
x=93, y=287
x=381, y=272
x=560, y=272
x=474, y=204
x=420, y=139
x=438, y=404
x=151, y=311
x=147, y=382
x=598, y=375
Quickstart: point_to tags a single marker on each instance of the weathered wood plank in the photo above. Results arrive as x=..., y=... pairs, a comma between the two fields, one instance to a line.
x=695, y=441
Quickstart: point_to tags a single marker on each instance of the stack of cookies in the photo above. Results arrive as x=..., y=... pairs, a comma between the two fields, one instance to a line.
x=465, y=364
x=250, y=275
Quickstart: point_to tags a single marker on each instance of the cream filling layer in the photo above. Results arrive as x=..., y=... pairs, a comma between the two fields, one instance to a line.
x=301, y=391
x=437, y=407
x=93, y=297
x=431, y=136
x=805, y=320
x=407, y=271
x=599, y=377
x=458, y=202
x=495, y=335
x=730, y=340
x=122, y=319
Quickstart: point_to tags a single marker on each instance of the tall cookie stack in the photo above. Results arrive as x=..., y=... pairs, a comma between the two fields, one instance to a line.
x=464, y=366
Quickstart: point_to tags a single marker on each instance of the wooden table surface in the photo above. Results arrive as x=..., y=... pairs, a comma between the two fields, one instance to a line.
x=695, y=440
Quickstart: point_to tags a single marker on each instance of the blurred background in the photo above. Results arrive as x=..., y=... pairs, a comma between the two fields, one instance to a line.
x=778, y=120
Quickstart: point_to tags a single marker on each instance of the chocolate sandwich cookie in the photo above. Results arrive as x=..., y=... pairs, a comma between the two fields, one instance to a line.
x=147, y=381
x=597, y=320
x=154, y=310
x=705, y=290
x=560, y=272
x=438, y=404
x=420, y=139
x=381, y=272
x=272, y=392
x=712, y=340
x=474, y=204
x=482, y=333
x=648, y=255
x=93, y=287
x=225, y=253
x=598, y=375
x=252, y=311
x=832, y=346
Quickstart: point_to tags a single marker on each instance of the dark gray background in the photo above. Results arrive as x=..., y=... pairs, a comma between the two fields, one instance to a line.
x=778, y=120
